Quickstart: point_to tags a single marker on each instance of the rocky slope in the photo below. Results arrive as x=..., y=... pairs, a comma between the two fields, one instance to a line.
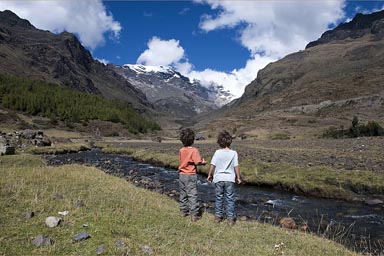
x=334, y=78
x=172, y=93
x=61, y=59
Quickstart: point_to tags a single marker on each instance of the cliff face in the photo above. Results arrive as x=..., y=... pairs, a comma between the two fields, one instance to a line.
x=59, y=58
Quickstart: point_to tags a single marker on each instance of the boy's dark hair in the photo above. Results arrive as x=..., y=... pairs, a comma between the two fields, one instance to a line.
x=187, y=137
x=224, y=139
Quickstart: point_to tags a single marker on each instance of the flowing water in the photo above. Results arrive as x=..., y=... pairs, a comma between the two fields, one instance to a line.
x=356, y=225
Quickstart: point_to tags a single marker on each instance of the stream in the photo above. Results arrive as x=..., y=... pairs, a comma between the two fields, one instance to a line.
x=356, y=225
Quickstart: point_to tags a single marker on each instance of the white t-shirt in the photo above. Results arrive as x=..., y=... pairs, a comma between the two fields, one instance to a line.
x=224, y=161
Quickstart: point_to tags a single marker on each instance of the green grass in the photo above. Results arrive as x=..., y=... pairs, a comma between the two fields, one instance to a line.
x=115, y=210
x=315, y=181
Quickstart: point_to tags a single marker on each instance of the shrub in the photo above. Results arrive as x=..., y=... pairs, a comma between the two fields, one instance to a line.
x=372, y=128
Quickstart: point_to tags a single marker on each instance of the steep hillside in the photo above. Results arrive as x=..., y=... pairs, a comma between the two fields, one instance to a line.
x=334, y=78
x=59, y=58
x=172, y=93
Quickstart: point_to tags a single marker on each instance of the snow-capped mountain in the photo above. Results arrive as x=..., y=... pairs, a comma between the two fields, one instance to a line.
x=172, y=92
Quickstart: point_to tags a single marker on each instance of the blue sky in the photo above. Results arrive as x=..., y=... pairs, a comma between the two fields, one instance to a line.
x=220, y=42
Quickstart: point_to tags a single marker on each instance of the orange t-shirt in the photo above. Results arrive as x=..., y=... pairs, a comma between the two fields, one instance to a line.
x=189, y=157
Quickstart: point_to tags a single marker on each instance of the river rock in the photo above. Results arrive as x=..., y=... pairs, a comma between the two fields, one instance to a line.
x=288, y=223
x=81, y=236
x=52, y=221
x=42, y=240
x=373, y=202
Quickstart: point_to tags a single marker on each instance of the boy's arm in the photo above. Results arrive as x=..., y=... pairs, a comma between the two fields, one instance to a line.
x=203, y=162
x=211, y=169
x=197, y=159
x=238, y=175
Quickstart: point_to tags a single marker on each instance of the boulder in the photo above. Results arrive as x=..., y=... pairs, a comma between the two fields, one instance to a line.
x=52, y=221
x=6, y=150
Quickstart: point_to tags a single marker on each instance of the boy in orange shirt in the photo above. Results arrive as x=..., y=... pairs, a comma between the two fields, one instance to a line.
x=189, y=158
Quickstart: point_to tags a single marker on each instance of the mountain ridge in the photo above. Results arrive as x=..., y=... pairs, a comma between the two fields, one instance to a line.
x=171, y=92
x=60, y=58
x=306, y=92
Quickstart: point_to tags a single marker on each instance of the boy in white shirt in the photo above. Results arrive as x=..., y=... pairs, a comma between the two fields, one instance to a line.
x=226, y=171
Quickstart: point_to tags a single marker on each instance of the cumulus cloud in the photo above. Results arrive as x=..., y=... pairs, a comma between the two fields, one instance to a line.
x=162, y=52
x=273, y=28
x=268, y=29
x=88, y=19
x=170, y=53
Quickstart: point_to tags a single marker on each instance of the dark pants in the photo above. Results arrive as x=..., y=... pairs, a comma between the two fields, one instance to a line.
x=188, y=194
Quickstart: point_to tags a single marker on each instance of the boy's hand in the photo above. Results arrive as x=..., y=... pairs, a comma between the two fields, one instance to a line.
x=209, y=178
x=239, y=181
x=203, y=161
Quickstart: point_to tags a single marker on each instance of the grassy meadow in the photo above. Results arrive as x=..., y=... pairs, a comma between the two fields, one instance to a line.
x=115, y=211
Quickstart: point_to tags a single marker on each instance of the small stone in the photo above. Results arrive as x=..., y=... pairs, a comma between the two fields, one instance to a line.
x=29, y=215
x=120, y=244
x=52, y=221
x=42, y=240
x=101, y=249
x=81, y=236
x=147, y=249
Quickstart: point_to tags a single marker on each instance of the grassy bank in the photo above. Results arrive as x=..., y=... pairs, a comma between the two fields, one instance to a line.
x=115, y=210
x=58, y=149
x=318, y=181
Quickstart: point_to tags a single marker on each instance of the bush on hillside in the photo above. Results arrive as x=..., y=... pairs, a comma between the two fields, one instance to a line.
x=372, y=128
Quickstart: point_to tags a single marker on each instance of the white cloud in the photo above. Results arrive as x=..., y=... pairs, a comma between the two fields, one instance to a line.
x=268, y=29
x=161, y=52
x=236, y=80
x=88, y=19
x=274, y=28
x=170, y=53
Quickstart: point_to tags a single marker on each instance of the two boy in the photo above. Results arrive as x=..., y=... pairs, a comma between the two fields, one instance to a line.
x=225, y=170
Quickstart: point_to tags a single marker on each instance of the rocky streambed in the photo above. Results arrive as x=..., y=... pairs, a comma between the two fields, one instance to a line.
x=356, y=225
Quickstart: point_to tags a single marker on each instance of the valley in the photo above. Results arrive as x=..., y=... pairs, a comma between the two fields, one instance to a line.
x=51, y=83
